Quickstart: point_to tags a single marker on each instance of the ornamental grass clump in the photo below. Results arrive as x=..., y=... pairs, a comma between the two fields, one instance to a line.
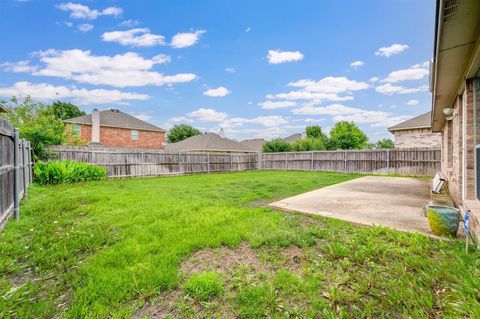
x=66, y=171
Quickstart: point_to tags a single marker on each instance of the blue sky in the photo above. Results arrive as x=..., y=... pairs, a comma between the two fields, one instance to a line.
x=254, y=68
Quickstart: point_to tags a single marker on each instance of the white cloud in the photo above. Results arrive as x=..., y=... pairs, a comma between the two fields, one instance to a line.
x=85, y=27
x=207, y=115
x=390, y=89
x=19, y=67
x=412, y=102
x=217, y=92
x=68, y=24
x=48, y=92
x=327, y=89
x=269, y=105
x=357, y=64
x=273, y=125
x=416, y=72
x=129, y=23
x=374, y=79
x=230, y=70
x=121, y=70
x=341, y=112
x=279, y=56
x=186, y=39
x=391, y=50
x=139, y=37
x=79, y=11
x=248, y=29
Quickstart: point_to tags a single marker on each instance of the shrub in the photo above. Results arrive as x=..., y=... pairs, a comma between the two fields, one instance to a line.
x=204, y=286
x=276, y=145
x=66, y=172
x=309, y=144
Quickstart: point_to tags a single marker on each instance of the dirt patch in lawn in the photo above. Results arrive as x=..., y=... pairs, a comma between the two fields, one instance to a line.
x=242, y=263
x=222, y=259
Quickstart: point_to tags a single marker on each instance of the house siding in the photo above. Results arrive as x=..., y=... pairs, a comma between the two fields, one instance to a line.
x=120, y=137
x=417, y=138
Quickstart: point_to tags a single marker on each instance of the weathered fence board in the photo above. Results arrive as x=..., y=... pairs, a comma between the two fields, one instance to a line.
x=15, y=171
x=411, y=162
x=145, y=162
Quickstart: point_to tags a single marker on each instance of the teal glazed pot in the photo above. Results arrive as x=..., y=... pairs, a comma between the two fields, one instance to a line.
x=443, y=220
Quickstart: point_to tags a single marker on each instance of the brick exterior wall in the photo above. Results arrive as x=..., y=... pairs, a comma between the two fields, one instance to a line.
x=120, y=137
x=418, y=138
x=452, y=157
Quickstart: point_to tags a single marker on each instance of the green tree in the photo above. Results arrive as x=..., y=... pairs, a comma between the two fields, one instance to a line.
x=36, y=124
x=180, y=132
x=385, y=143
x=276, y=145
x=309, y=144
x=315, y=131
x=346, y=135
x=64, y=110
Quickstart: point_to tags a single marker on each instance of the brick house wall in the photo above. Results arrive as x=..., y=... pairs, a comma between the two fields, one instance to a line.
x=417, y=138
x=120, y=137
x=452, y=157
x=452, y=144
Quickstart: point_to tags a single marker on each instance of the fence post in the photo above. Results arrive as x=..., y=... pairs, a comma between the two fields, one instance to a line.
x=311, y=164
x=286, y=161
x=231, y=163
x=143, y=164
x=29, y=159
x=208, y=162
x=345, y=159
x=16, y=174
x=24, y=166
x=179, y=163
x=388, y=162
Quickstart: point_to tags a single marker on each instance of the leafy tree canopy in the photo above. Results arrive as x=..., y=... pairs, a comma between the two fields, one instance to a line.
x=385, y=143
x=346, y=135
x=315, y=131
x=309, y=144
x=276, y=145
x=37, y=123
x=64, y=110
x=180, y=132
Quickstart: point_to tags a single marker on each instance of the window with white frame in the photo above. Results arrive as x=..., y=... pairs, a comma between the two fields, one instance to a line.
x=134, y=135
x=76, y=130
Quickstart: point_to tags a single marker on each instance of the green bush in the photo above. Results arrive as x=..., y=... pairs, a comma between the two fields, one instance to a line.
x=276, y=145
x=204, y=286
x=66, y=172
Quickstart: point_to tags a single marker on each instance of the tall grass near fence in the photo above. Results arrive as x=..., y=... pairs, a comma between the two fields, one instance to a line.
x=67, y=172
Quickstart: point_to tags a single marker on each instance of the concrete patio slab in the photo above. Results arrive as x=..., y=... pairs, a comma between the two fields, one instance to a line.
x=395, y=202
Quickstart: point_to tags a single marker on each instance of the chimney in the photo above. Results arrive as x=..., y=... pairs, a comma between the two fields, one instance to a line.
x=95, y=127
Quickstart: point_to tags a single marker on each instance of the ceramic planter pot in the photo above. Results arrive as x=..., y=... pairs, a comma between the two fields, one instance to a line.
x=443, y=220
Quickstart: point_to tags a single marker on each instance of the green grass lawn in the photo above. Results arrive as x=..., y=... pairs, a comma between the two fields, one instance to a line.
x=206, y=246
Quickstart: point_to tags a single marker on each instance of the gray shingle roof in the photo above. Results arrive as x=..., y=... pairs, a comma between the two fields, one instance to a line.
x=292, y=138
x=255, y=144
x=421, y=121
x=116, y=118
x=208, y=142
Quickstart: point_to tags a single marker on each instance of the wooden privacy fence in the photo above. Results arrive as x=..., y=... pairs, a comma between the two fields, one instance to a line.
x=15, y=171
x=144, y=162
x=412, y=162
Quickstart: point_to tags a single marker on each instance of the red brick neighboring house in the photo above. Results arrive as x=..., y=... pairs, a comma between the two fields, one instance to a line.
x=113, y=128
